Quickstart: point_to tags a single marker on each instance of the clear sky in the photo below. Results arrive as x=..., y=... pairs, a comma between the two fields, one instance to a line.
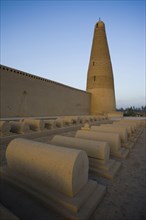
x=53, y=39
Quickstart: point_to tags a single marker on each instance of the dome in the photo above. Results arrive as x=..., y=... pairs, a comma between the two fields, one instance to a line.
x=100, y=24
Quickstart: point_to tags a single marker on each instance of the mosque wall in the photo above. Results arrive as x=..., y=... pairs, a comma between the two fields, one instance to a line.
x=26, y=95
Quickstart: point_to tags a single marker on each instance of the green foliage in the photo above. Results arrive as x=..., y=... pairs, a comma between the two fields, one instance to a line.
x=132, y=111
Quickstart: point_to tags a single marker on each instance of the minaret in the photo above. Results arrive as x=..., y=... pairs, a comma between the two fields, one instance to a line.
x=100, y=82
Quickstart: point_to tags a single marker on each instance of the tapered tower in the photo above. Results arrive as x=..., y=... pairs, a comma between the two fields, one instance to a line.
x=100, y=81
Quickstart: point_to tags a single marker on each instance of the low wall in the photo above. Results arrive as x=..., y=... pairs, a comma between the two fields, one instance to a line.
x=26, y=95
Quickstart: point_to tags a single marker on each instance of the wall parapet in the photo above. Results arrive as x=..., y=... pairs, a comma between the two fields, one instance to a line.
x=38, y=77
x=26, y=95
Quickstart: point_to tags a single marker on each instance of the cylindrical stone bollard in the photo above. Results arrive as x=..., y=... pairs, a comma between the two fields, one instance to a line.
x=65, y=170
x=122, y=127
x=109, y=128
x=19, y=127
x=59, y=122
x=132, y=123
x=76, y=119
x=5, y=127
x=91, y=118
x=67, y=120
x=102, y=117
x=128, y=127
x=50, y=124
x=113, y=139
x=82, y=119
x=95, y=149
x=86, y=127
x=133, y=126
x=35, y=124
x=87, y=119
x=137, y=122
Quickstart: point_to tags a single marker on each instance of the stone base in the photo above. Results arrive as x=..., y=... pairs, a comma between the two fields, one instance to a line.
x=135, y=136
x=79, y=207
x=128, y=145
x=133, y=139
x=107, y=170
x=122, y=153
x=5, y=214
x=139, y=132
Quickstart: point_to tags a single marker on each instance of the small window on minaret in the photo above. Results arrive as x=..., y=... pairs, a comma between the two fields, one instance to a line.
x=93, y=63
x=94, y=78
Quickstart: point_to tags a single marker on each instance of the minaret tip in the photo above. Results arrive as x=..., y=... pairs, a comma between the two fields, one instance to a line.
x=100, y=24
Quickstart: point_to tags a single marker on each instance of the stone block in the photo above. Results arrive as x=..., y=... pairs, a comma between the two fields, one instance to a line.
x=127, y=122
x=79, y=207
x=35, y=124
x=121, y=131
x=98, y=153
x=69, y=120
x=138, y=125
x=95, y=149
x=55, y=176
x=127, y=127
x=50, y=124
x=107, y=170
x=63, y=169
x=86, y=127
x=113, y=140
x=19, y=127
x=59, y=122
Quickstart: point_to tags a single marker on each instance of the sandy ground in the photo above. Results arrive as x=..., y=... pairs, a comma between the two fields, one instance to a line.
x=126, y=194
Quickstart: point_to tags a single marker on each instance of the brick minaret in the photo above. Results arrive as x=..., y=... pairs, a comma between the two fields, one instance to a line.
x=100, y=82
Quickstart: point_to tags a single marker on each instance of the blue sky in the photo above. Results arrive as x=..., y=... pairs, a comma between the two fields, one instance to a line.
x=53, y=39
